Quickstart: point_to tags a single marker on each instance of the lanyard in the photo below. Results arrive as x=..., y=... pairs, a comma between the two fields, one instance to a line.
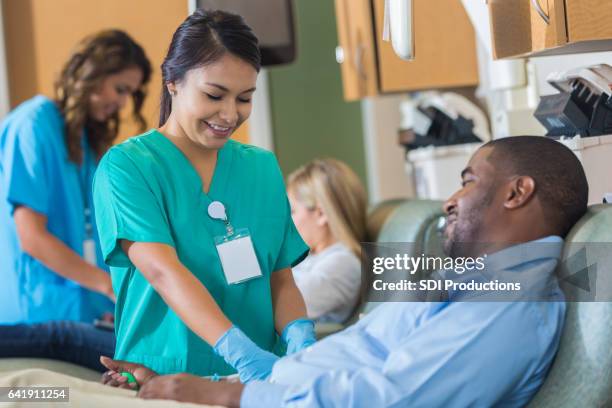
x=83, y=184
x=216, y=211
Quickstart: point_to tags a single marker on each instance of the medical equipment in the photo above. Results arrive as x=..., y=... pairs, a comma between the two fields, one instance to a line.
x=441, y=119
x=583, y=105
x=131, y=379
x=440, y=131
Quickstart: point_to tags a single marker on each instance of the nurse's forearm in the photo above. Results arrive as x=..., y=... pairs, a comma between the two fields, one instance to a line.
x=39, y=243
x=286, y=298
x=186, y=295
x=179, y=288
x=58, y=257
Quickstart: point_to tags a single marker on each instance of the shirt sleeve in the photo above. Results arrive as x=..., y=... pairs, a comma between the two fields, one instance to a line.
x=258, y=394
x=126, y=207
x=331, y=284
x=453, y=360
x=293, y=249
x=24, y=172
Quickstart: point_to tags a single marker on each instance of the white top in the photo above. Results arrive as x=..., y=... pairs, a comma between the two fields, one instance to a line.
x=330, y=283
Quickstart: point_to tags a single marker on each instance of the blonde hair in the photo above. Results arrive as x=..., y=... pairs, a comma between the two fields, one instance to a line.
x=332, y=186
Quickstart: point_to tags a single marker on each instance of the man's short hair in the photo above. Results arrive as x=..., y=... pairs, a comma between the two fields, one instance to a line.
x=560, y=182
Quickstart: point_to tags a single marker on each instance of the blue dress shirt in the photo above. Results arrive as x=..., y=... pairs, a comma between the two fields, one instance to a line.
x=437, y=354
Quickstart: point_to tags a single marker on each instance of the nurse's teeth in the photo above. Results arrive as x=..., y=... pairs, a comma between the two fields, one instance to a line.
x=221, y=128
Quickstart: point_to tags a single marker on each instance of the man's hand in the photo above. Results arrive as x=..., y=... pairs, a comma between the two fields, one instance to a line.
x=189, y=388
x=114, y=378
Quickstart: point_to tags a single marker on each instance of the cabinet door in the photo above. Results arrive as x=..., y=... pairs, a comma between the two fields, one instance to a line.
x=519, y=27
x=547, y=24
x=589, y=19
x=356, y=53
x=40, y=36
x=445, y=49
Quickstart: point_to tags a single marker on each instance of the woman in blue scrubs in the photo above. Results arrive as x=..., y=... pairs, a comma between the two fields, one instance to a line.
x=197, y=228
x=50, y=263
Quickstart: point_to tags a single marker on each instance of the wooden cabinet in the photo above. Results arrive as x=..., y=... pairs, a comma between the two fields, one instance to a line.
x=40, y=36
x=356, y=53
x=445, y=49
x=522, y=28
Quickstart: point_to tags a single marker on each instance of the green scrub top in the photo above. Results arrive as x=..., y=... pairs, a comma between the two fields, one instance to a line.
x=146, y=190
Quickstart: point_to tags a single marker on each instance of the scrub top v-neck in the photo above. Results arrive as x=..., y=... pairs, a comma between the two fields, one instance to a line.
x=146, y=190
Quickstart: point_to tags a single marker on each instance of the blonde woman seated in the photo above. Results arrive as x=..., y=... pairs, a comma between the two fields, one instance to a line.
x=328, y=206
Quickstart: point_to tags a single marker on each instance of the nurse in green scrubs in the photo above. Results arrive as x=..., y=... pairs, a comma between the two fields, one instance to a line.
x=197, y=228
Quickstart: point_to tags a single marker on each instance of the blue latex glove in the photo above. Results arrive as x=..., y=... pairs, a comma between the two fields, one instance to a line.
x=251, y=362
x=298, y=335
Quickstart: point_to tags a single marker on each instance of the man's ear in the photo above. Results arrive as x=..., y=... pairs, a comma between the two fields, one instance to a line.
x=520, y=191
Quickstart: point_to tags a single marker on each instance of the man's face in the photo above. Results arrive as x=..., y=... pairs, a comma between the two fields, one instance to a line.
x=468, y=210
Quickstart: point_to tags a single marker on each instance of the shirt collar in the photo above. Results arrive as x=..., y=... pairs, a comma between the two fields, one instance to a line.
x=511, y=257
x=514, y=264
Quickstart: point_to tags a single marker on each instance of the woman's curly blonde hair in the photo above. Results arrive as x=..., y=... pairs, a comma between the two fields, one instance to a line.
x=95, y=58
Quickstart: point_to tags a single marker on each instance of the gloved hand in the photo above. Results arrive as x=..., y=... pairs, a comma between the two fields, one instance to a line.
x=298, y=335
x=251, y=362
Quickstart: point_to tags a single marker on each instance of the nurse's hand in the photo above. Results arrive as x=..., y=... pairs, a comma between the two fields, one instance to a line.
x=298, y=335
x=114, y=378
x=189, y=388
x=251, y=362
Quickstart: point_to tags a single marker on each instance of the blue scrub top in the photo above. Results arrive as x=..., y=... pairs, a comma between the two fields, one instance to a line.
x=35, y=172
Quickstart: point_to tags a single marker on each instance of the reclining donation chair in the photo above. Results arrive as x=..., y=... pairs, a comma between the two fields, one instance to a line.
x=581, y=374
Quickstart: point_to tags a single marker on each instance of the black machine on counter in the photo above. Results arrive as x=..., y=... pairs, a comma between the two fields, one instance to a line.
x=583, y=105
x=441, y=119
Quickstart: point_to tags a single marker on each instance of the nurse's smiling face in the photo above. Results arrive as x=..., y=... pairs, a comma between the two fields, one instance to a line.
x=212, y=101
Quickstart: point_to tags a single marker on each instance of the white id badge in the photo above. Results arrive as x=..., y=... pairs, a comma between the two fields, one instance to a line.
x=238, y=257
x=89, y=251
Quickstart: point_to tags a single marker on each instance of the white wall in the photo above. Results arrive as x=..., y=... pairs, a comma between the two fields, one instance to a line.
x=4, y=90
x=260, y=121
x=385, y=159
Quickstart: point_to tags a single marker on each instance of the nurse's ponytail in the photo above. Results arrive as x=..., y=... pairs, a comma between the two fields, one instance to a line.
x=203, y=38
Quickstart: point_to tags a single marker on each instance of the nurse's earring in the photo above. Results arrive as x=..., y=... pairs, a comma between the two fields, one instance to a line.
x=171, y=89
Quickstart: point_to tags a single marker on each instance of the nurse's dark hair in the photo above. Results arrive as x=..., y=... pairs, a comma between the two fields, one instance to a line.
x=202, y=39
x=560, y=182
x=95, y=58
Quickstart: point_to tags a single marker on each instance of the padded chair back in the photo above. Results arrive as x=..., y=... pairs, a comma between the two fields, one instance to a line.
x=407, y=222
x=377, y=216
x=581, y=375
